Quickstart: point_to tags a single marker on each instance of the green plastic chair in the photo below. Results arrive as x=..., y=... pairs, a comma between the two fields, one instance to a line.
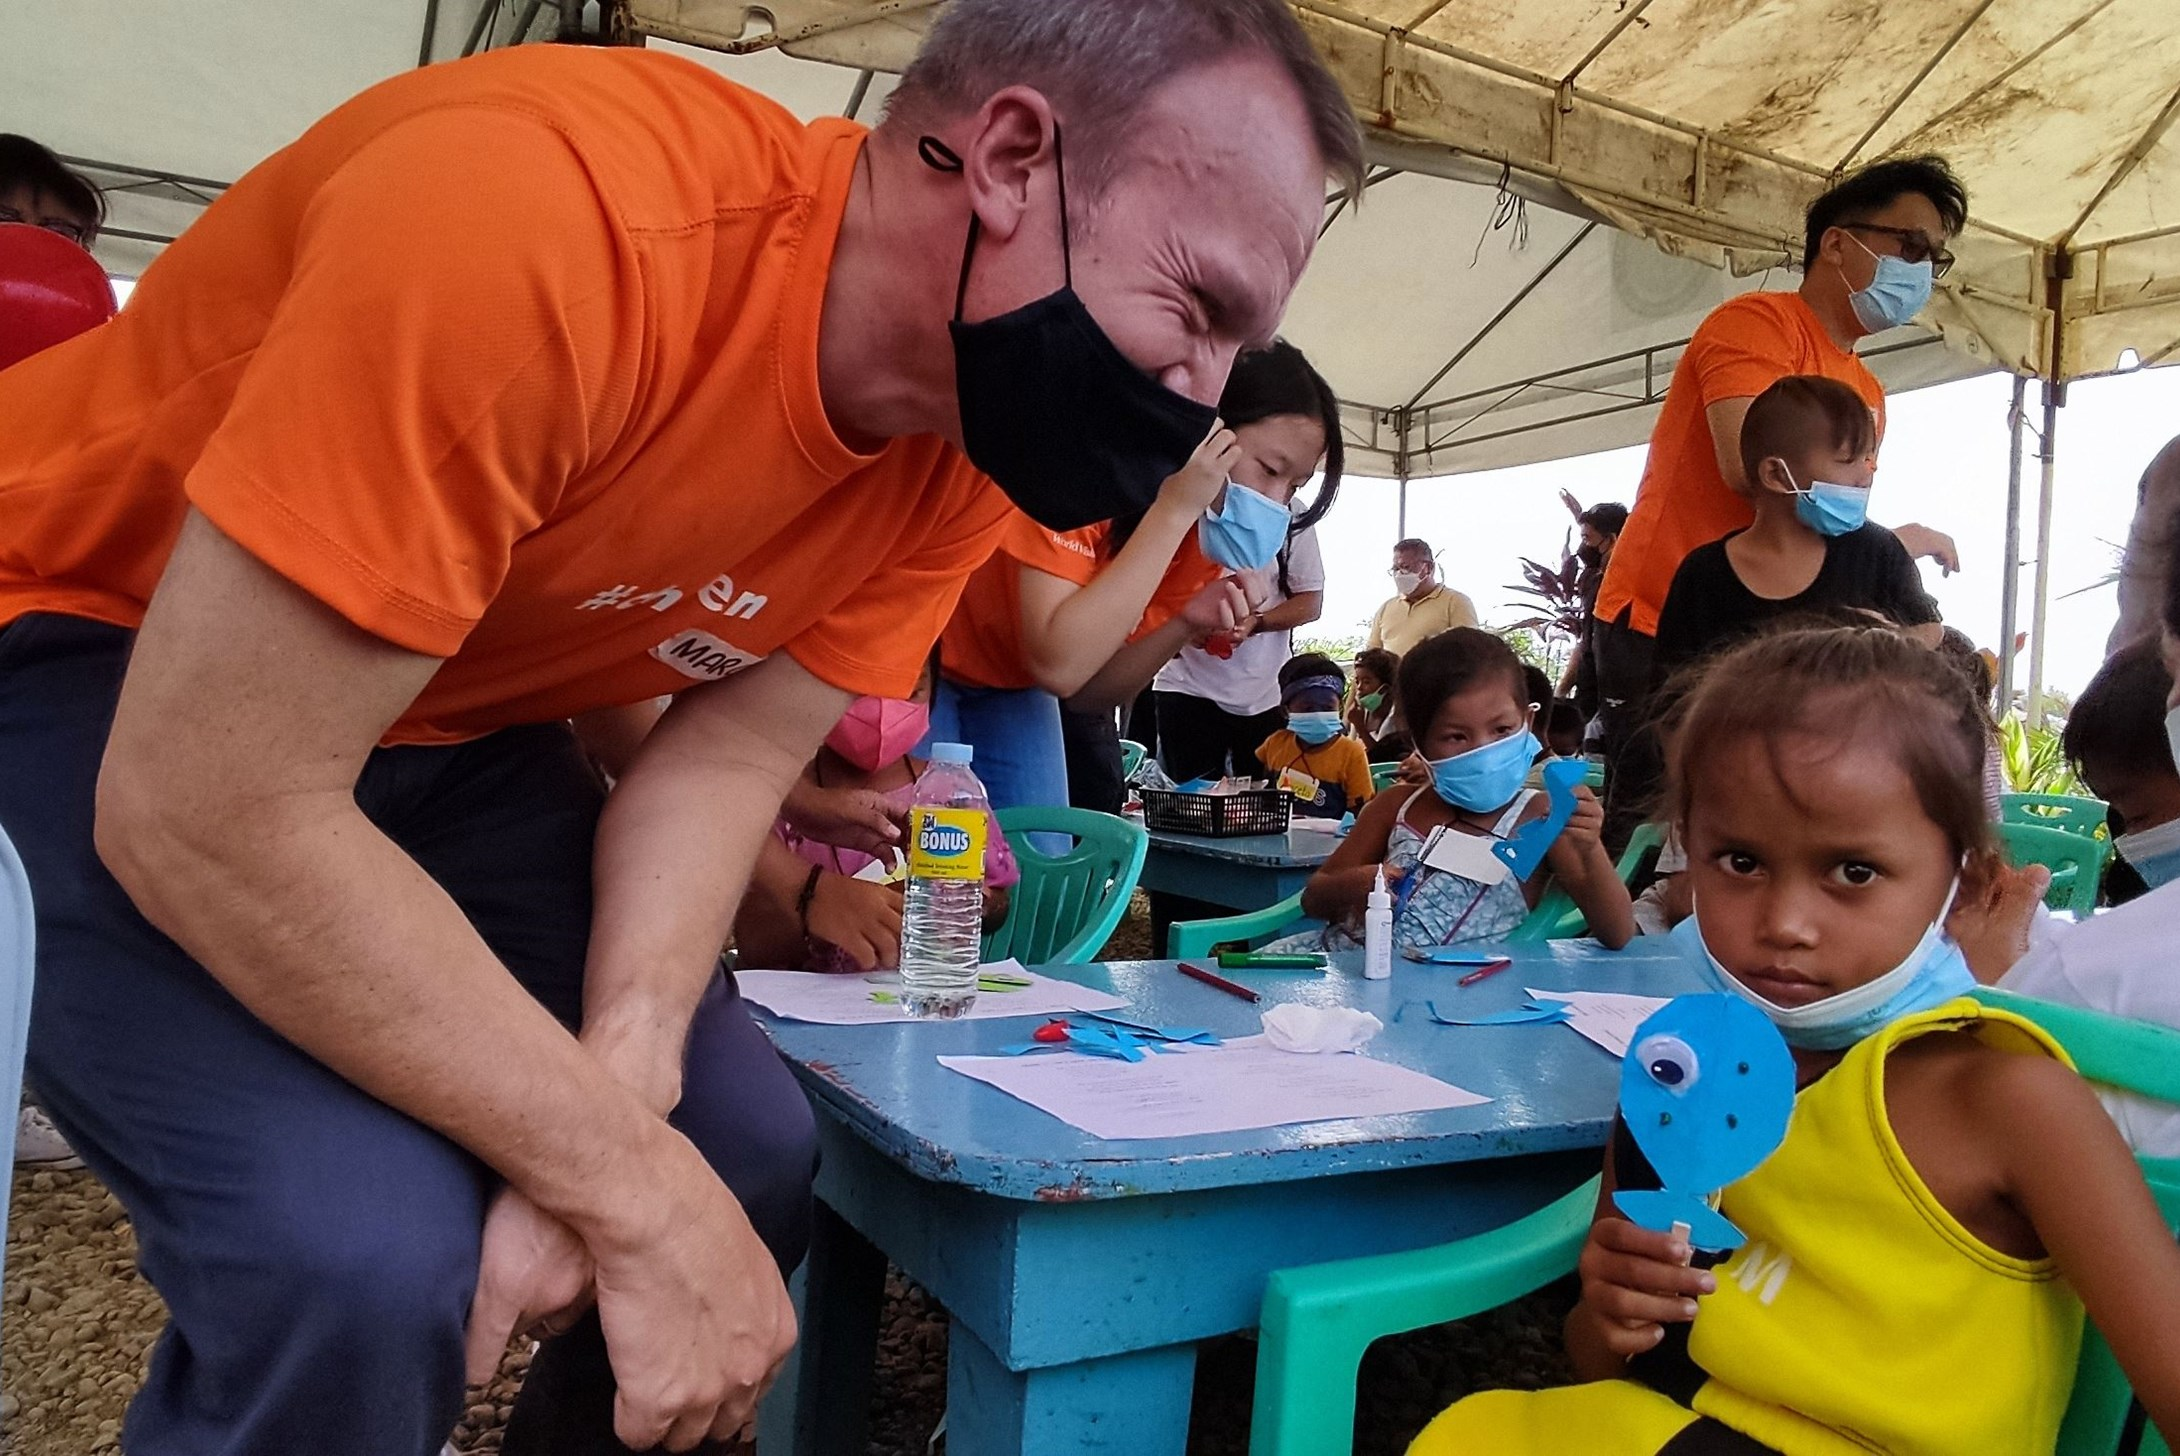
x=1384, y=775
x=2075, y=860
x=1318, y=1321
x=1556, y=916
x=1132, y=755
x=1068, y=905
x=1185, y=938
x=2077, y=812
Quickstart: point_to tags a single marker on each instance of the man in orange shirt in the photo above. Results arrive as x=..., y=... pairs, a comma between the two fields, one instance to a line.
x=518, y=389
x=1872, y=247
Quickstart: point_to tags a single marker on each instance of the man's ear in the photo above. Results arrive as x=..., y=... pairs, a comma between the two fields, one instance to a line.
x=1010, y=142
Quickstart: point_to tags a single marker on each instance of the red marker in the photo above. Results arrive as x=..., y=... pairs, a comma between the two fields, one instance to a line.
x=1219, y=982
x=1489, y=970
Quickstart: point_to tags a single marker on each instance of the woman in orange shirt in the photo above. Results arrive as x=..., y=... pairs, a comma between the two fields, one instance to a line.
x=1091, y=615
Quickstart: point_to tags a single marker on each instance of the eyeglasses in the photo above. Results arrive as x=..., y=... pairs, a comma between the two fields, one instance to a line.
x=74, y=232
x=1914, y=247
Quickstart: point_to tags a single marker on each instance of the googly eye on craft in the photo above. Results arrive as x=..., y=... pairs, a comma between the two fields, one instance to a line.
x=1669, y=1062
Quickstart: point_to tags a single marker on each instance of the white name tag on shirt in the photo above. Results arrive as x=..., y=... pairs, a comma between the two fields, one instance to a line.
x=1467, y=855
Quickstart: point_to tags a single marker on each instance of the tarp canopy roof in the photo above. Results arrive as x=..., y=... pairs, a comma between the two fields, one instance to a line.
x=1704, y=126
x=1620, y=144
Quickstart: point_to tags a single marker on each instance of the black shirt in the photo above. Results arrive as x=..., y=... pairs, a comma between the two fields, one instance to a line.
x=1708, y=608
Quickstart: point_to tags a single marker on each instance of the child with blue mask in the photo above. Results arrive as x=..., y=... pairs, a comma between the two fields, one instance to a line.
x=2116, y=739
x=1466, y=700
x=1948, y=1198
x=1809, y=450
x=1314, y=757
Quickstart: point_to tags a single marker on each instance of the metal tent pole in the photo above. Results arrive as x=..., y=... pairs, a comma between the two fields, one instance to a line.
x=2048, y=456
x=1403, y=534
x=2009, y=589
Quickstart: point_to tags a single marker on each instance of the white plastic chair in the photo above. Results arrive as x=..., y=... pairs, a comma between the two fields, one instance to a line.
x=17, y=943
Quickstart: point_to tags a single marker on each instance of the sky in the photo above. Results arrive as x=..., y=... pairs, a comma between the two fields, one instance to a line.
x=1943, y=464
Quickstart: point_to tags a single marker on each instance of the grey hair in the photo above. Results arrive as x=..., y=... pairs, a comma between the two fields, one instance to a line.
x=1099, y=60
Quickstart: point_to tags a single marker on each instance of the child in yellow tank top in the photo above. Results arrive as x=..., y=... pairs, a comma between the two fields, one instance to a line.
x=1949, y=1196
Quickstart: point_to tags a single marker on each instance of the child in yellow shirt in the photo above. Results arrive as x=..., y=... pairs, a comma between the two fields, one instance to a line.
x=1314, y=757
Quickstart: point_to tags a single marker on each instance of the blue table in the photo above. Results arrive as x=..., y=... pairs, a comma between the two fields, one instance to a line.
x=1080, y=1273
x=1208, y=876
x=1247, y=872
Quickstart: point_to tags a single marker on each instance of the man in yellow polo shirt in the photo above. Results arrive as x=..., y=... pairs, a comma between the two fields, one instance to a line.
x=1421, y=605
x=516, y=390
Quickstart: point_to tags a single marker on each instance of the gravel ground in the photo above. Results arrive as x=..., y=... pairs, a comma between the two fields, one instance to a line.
x=78, y=1321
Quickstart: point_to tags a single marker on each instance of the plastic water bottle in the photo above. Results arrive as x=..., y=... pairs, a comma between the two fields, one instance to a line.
x=942, y=921
x=1378, y=932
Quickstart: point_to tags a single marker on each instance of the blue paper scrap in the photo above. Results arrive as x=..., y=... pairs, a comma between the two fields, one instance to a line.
x=1111, y=1036
x=1525, y=848
x=1706, y=1089
x=1537, y=1013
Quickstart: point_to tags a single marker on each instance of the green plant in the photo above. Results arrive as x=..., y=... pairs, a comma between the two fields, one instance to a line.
x=2032, y=758
x=1339, y=649
x=1533, y=648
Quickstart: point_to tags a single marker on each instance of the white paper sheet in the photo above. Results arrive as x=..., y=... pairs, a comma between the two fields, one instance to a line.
x=1245, y=1083
x=846, y=1000
x=1608, y=1018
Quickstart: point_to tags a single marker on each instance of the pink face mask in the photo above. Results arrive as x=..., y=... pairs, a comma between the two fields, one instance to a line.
x=877, y=731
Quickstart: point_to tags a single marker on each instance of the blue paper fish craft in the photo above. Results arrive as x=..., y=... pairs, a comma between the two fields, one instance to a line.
x=1706, y=1089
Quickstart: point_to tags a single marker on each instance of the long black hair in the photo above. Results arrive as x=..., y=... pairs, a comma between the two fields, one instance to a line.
x=1278, y=379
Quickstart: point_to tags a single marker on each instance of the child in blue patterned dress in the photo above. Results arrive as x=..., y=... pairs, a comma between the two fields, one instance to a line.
x=1465, y=697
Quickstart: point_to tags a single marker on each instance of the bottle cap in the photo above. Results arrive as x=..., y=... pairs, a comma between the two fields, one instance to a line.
x=1380, y=897
x=952, y=753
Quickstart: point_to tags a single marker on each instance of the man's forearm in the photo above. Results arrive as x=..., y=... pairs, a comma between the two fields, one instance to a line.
x=677, y=845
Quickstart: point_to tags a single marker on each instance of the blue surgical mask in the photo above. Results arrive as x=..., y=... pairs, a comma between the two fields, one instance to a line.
x=1933, y=973
x=2154, y=852
x=1485, y=778
x=1315, y=728
x=1246, y=531
x=1830, y=509
x=1897, y=291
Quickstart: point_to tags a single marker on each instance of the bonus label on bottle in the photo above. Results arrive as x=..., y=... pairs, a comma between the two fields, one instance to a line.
x=947, y=844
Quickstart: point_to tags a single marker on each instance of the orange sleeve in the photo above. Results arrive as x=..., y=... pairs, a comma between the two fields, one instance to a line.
x=1741, y=350
x=876, y=642
x=1277, y=751
x=446, y=357
x=1074, y=556
x=1188, y=573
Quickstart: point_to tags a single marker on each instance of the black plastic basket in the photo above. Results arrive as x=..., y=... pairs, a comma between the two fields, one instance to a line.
x=1217, y=816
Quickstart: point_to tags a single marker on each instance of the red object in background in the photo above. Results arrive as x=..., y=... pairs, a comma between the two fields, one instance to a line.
x=1220, y=646
x=50, y=291
x=1051, y=1031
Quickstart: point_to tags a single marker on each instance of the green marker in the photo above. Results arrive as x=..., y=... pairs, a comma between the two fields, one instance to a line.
x=1249, y=960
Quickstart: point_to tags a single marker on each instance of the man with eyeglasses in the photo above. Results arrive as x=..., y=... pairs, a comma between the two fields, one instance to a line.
x=1421, y=605
x=1873, y=246
x=36, y=187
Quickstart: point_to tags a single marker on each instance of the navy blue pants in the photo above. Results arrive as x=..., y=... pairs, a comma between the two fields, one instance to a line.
x=318, y=1250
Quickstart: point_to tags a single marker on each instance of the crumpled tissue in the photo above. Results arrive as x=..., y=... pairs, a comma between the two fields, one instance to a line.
x=1294, y=1028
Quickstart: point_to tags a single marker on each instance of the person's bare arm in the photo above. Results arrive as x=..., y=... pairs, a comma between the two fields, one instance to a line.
x=611, y=736
x=226, y=809
x=1577, y=859
x=1219, y=607
x=2067, y=1170
x=1299, y=610
x=1069, y=632
x=1725, y=417
x=1338, y=892
x=677, y=842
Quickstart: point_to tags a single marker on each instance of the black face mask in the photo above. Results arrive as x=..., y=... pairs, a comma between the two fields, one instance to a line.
x=1051, y=410
x=1589, y=556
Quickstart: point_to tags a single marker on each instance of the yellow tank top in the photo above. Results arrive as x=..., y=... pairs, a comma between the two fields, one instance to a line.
x=1861, y=1316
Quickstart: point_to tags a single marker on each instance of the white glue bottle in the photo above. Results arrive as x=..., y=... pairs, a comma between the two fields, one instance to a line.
x=1378, y=932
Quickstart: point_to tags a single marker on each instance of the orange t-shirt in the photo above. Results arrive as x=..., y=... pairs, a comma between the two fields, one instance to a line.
x=511, y=362
x=982, y=646
x=1745, y=346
